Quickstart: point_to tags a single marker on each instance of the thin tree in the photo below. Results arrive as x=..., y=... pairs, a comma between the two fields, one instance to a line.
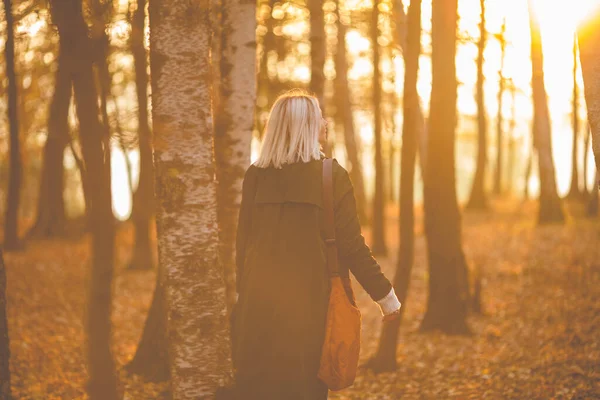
x=186, y=192
x=11, y=224
x=401, y=37
x=477, y=199
x=233, y=124
x=588, y=36
x=511, y=136
x=143, y=198
x=385, y=358
x=51, y=218
x=586, y=147
x=499, y=118
x=344, y=107
x=448, y=296
x=550, y=207
x=317, y=50
x=379, y=245
x=151, y=358
x=592, y=206
x=5, y=393
x=68, y=16
x=574, y=191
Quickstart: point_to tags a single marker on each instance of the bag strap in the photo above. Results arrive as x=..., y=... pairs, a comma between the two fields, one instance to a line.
x=332, y=251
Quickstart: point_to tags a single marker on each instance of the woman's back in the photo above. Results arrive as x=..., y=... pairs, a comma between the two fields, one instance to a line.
x=278, y=323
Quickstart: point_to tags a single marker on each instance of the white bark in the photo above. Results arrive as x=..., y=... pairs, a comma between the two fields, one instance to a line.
x=186, y=197
x=234, y=122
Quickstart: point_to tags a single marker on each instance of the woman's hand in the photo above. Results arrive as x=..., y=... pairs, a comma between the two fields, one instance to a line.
x=392, y=316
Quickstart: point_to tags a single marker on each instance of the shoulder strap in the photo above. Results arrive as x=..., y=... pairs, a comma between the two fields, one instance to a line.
x=332, y=254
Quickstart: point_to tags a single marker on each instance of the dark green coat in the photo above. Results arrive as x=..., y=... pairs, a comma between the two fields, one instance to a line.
x=282, y=278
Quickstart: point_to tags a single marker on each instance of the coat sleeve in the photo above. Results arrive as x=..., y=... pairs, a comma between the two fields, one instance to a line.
x=353, y=252
x=244, y=222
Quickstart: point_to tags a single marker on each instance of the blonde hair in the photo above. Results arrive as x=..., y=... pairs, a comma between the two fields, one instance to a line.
x=292, y=131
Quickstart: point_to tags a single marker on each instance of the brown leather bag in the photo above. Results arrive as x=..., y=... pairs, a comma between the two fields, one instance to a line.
x=341, y=347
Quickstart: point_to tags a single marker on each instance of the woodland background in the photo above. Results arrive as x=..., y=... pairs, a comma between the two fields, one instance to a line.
x=127, y=129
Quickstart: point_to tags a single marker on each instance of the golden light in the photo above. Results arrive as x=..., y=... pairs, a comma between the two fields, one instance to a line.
x=566, y=15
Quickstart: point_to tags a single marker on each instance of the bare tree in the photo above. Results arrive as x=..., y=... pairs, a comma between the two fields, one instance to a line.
x=550, y=207
x=11, y=231
x=317, y=50
x=574, y=191
x=5, y=393
x=588, y=36
x=143, y=199
x=447, y=302
x=499, y=120
x=51, y=217
x=385, y=358
x=478, y=200
x=379, y=245
x=68, y=16
x=344, y=107
x=233, y=124
x=186, y=192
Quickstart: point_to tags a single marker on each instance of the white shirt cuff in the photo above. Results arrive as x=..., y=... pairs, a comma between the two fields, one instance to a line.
x=389, y=303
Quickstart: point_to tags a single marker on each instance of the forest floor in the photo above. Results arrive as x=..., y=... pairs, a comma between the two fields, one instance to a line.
x=538, y=336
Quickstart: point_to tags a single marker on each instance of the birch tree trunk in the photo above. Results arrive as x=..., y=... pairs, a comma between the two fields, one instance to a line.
x=447, y=301
x=344, y=106
x=550, y=207
x=143, y=199
x=11, y=234
x=477, y=199
x=186, y=194
x=5, y=393
x=588, y=36
x=379, y=246
x=234, y=124
x=385, y=358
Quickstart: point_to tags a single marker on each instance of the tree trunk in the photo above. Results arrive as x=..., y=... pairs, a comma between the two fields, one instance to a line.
x=511, y=140
x=68, y=16
x=186, y=192
x=586, y=146
x=550, y=207
x=401, y=36
x=592, y=206
x=528, y=168
x=574, y=191
x=344, y=106
x=499, y=119
x=151, y=359
x=588, y=36
x=233, y=125
x=143, y=198
x=478, y=200
x=448, y=296
x=385, y=358
x=51, y=218
x=317, y=57
x=11, y=231
x=379, y=246
x=5, y=393
x=317, y=50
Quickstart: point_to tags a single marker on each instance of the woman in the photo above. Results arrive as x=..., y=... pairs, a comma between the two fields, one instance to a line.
x=282, y=277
